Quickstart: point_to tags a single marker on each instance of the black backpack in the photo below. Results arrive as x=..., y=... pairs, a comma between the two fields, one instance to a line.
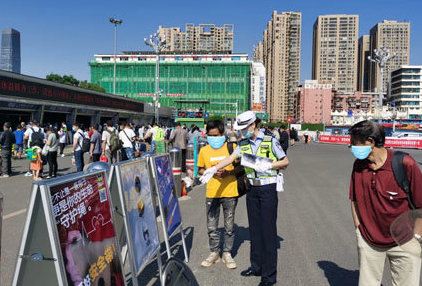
x=86, y=143
x=37, y=138
x=400, y=175
x=243, y=186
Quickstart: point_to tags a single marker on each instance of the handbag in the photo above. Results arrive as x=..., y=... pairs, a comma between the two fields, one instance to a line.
x=44, y=150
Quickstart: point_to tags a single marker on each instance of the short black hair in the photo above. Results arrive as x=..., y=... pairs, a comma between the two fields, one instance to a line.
x=76, y=124
x=362, y=131
x=216, y=124
x=178, y=124
x=7, y=124
x=96, y=126
x=109, y=123
x=282, y=126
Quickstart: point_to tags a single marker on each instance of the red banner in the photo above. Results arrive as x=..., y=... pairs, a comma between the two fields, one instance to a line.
x=389, y=141
x=334, y=139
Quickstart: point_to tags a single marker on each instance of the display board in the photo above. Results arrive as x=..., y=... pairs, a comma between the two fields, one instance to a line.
x=136, y=194
x=75, y=212
x=170, y=203
x=167, y=200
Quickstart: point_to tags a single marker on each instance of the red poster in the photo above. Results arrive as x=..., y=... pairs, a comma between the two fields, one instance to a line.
x=389, y=141
x=84, y=223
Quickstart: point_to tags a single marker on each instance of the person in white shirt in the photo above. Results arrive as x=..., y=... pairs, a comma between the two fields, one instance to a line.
x=62, y=140
x=112, y=157
x=78, y=154
x=128, y=137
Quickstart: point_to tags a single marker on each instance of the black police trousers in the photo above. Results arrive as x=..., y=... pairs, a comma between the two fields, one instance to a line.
x=262, y=205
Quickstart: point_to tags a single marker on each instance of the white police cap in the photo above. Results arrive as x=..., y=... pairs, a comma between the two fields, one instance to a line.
x=244, y=120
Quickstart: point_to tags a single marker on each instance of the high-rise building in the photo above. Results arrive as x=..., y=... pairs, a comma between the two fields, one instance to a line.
x=258, y=96
x=10, y=59
x=395, y=36
x=363, y=63
x=202, y=38
x=335, y=51
x=406, y=90
x=281, y=57
x=258, y=52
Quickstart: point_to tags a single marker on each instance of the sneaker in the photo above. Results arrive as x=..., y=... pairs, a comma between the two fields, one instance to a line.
x=28, y=174
x=62, y=155
x=5, y=176
x=213, y=258
x=229, y=261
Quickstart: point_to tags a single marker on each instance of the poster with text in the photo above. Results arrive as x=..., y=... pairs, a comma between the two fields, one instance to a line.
x=140, y=211
x=166, y=187
x=81, y=209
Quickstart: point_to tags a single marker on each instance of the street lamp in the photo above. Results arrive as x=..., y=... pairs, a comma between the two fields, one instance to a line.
x=158, y=44
x=381, y=57
x=115, y=22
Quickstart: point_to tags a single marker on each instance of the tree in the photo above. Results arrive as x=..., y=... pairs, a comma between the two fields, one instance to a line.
x=70, y=80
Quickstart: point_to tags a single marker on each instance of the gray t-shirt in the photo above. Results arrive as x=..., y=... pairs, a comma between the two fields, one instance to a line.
x=96, y=139
x=54, y=143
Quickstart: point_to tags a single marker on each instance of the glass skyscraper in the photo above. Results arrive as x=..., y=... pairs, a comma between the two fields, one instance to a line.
x=10, y=59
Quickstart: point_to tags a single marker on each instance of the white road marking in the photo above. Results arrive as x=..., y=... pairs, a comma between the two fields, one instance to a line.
x=13, y=214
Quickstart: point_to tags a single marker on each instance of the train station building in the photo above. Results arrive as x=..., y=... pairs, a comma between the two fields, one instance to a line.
x=25, y=98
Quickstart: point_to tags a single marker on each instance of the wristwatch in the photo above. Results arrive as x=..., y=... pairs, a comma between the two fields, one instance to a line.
x=418, y=237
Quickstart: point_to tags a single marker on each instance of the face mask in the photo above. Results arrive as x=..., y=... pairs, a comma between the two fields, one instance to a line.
x=74, y=129
x=216, y=142
x=361, y=152
x=247, y=134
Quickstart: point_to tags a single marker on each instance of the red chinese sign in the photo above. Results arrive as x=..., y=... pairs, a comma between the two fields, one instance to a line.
x=82, y=212
x=36, y=90
x=334, y=139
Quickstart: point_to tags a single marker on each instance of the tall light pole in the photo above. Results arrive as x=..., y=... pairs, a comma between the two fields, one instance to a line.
x=115, y=22
x=158, y=45
x=381, y=57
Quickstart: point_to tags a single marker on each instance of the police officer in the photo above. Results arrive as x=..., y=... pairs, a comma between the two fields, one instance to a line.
x=262, y=199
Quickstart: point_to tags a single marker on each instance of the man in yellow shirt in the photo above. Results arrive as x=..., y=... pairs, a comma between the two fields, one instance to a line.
x=221, y=191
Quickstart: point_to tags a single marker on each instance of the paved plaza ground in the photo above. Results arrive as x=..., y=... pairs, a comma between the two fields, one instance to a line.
x=315, y=228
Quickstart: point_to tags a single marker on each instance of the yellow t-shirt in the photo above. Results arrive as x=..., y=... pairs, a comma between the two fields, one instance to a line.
x=218, y=188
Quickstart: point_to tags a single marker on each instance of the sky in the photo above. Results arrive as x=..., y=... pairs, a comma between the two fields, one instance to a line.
x=63, y=36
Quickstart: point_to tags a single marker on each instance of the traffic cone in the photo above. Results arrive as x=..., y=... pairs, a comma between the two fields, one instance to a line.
x=183, y=192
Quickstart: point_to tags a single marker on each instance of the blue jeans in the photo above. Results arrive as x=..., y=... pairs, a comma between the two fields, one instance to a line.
x=153, y=146
x=129, y=153
x=79, y=160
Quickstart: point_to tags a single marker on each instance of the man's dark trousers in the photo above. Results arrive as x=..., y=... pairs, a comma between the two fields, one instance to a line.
x=6, y=157
x=262, y=205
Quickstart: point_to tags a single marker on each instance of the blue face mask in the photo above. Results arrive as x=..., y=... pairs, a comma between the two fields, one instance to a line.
x=361, y=152
x=247, y=134
x=74, y=129
x=216, y=142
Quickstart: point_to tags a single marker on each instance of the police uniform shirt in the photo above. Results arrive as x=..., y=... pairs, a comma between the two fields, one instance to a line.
x=277, y=150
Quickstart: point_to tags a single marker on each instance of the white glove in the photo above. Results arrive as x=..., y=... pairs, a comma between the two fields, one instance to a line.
x=208, y=174
x=262, y=167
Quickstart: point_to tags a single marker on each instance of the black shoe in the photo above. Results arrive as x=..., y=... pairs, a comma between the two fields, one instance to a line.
x=249, y=272
x=266, y=284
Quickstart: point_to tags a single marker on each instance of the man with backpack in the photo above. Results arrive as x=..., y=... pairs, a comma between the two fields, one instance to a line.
x=221, y=192
x=111, y=143
x=384, y=184
x=78, y=153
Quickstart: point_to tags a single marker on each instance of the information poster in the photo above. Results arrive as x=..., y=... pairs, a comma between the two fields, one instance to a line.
x=82, y=212
x=140, y=211
x=167, y=189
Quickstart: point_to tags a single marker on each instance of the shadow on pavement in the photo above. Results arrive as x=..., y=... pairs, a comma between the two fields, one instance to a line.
x=242, y=235
x=337, y=275
x=150, y=272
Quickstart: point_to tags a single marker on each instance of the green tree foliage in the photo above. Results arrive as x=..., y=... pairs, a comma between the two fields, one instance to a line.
x=70, y=80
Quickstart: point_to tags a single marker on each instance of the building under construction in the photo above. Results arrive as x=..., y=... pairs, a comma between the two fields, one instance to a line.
x=222, y=79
